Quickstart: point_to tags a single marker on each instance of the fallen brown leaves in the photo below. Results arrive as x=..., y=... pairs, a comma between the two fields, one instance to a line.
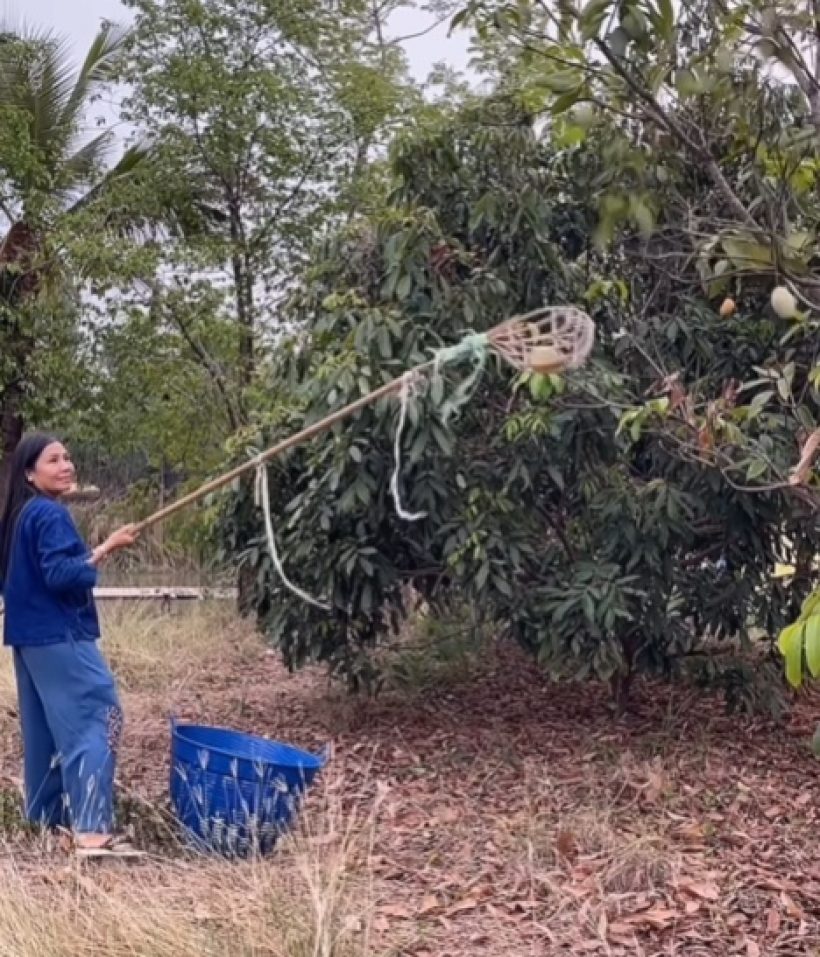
x=519, y=818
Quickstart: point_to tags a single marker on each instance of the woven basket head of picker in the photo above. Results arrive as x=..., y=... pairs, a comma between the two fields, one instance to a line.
x=552, y=339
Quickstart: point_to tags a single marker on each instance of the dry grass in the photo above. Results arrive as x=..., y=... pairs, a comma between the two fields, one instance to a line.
x=301, y=905
x=313, y=899
x=630, y=857
x=151, y=649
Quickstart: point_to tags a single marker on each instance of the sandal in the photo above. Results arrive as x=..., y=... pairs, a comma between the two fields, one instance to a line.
x=112, y=847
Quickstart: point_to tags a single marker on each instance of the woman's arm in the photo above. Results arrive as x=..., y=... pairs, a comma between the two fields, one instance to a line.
x=57, y=539
x=123, y=538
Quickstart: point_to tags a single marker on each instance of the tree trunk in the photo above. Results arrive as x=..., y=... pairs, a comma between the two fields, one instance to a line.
x=160, y=528
x=244, y=590
x=243, y=280
x=621, y=683
x=243, y=293
x=20, y=249
x=244, y=318
x=11, y=431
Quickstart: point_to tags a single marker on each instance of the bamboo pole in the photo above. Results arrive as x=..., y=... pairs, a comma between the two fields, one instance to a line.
x=297, y=439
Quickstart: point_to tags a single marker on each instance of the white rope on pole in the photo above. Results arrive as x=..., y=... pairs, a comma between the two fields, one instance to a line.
x=262, y=499
x=408, y=381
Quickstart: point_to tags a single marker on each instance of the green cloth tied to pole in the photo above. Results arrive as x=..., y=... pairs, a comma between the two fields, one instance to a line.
x=475, y=347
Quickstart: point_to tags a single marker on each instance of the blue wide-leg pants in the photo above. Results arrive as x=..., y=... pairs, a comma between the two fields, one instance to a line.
x=71, y=723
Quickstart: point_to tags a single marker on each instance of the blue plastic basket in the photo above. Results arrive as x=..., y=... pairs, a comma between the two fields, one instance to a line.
x=235, y=793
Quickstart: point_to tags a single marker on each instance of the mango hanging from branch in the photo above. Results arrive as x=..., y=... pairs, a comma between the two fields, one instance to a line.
x=728, y=308
x=783, y=302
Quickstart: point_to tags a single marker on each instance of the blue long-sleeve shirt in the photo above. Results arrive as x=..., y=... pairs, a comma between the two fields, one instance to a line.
x=47, y=593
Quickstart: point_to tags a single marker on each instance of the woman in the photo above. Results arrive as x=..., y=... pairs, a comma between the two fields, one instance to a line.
x=69, y=708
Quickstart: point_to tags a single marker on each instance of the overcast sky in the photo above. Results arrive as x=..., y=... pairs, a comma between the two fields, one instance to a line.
x=78, y=20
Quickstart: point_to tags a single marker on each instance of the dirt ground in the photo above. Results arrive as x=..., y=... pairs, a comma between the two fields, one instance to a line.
x=506, y=815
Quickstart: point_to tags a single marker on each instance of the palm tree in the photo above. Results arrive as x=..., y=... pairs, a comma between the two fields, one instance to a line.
x=48, y=173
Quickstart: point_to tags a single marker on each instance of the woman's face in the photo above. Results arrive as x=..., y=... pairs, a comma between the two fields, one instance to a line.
x=53, y=473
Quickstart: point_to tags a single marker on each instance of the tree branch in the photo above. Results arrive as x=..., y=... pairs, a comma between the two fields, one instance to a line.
x=672, y=126
x=235, y=417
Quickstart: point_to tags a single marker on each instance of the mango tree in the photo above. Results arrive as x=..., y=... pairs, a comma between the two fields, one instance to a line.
x=725, y=100
x=603, y=521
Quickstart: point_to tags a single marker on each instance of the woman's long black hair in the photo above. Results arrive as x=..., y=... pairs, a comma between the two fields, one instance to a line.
x=19, y=490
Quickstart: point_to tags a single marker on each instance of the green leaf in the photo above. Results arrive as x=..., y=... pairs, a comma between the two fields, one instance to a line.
x=404, y=286
x=635, y=23
x=810, y=605
x=790, y=644
x=718, y=283
x=562, y=81
x=642, y=215
x=805, y=418
x=725, y=59
x=566, y=100
x=788, y=372
x=626, y=419
x=383, y=340
x=666, y=19
x=570, y=135
x=540, y=386
x=799, y=240
x=460, y=19
x=757, y=468
x=758, y=403
x=592, y=16
x=813, y=645
x=747, y=254
x=686, y=84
